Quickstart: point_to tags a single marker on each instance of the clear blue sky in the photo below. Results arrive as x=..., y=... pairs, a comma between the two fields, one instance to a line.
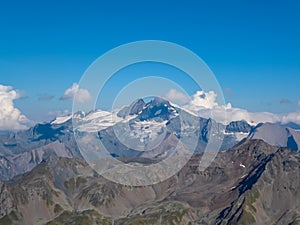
x=252, y=46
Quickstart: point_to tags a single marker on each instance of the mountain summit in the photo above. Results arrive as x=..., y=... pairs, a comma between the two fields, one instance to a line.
x=134, y=109
x=155, y=109
x=158, y=108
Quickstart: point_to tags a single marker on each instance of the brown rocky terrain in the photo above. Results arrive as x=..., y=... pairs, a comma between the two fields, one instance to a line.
x=253, y=183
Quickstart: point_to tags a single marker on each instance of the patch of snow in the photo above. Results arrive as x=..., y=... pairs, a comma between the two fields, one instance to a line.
x=240, y=135
x=98, y=120
x=242, y=165
x=97, y=114
x=252, y=123
x=147, y=129
x=243, y=176
x=62, y=119
x=232, y=188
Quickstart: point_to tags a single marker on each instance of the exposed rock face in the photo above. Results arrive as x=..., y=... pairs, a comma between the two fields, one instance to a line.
x=238, y=126
x=253, y=183
x=6, y=206
x=22, y=151
x=134, y=109
x=158, y=108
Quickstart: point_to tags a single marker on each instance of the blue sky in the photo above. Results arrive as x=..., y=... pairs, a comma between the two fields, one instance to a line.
x=252, y=47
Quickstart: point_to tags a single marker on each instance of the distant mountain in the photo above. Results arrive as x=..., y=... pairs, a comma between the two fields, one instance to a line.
x=23, y=150
x=252, y=183
x=158, y=124
x=238, y=127
x=149, y=130
x=46, y=181
x=156, y=108
x=292, y=125
x=278, y=135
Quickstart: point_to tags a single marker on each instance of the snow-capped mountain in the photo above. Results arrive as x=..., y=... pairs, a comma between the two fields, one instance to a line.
x=142, y=129
x=150, y=130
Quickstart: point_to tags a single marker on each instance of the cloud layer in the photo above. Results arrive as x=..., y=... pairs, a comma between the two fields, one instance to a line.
x=11, y=118
x=77, y=94
x=204, y=104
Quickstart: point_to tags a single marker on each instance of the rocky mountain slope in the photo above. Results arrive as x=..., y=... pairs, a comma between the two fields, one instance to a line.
x=23, y=150
x=252, y=183
x=146, y=126
x=277, y=135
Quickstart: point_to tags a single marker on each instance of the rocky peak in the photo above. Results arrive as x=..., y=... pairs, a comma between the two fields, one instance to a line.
x=135, y=108
x=158, y=108
x=238, y=126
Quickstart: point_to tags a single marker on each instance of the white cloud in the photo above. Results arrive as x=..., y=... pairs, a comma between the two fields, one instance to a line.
x=203, y=100
x=291, y=117
x=205, y=105
x=11, y=118
x=81, y=95
x=177, y=97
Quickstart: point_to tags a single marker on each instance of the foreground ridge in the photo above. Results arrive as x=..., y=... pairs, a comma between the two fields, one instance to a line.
x=252, y=183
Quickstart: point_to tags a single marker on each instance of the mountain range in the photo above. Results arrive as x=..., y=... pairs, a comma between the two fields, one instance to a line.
x=253, y=180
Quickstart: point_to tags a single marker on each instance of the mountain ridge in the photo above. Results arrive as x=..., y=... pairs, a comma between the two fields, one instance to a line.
x=21, y=151
x=230, y=191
